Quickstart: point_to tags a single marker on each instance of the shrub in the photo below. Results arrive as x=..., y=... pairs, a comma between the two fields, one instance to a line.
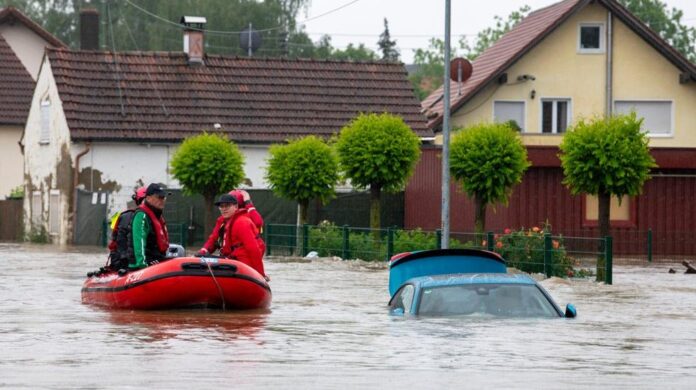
x=524, y=250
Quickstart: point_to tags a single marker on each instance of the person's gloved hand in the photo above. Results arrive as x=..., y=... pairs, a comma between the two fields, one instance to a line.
x=202, y=252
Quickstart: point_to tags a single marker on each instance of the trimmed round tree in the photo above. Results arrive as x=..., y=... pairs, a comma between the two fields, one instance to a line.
x=302, y=170
x=208, y=164
x=488, y=159
x=606, y=157
x=378, y=152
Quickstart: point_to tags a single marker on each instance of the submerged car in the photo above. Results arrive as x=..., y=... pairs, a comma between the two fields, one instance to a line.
x=465, y=282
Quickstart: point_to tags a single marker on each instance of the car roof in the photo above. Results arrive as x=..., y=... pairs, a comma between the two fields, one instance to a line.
x=463, y=279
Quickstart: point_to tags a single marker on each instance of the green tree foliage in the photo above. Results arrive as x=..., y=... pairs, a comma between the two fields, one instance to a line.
x=386, y=45
x=208, y=164
x=431, y=61
x=302, y=170
x=667, y=23
x=379, y=152
x=488, y=160
x=606, y=157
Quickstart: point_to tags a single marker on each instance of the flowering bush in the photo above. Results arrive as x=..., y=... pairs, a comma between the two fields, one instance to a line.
x=524, y=250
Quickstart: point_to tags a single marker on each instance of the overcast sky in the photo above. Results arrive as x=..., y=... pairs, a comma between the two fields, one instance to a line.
x=413, y=22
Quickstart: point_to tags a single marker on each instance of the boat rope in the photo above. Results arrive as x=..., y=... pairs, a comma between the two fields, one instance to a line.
x=222, y=296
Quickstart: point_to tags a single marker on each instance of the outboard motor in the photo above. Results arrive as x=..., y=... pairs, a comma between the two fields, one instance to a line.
x=175, y=251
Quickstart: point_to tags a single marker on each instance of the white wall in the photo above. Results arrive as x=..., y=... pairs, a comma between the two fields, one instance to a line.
x=27, y=45
x=12, y=162
x=130, y=165
x=42, y=161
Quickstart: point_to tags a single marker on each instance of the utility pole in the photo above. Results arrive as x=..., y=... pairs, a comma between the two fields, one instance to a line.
x=446, y=134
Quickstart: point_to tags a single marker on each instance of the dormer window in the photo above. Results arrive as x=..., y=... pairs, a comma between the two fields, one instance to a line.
x=591, y=38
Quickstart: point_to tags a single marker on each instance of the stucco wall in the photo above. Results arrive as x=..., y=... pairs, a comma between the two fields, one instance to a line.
x=119, y=168
x=12, y=166
x=48, y=166
x=640, y=73
x=28, y=46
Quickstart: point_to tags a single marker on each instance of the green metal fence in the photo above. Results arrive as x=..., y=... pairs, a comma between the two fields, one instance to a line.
x=530, y=250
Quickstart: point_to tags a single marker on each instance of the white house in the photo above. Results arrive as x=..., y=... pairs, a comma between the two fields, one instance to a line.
x=108, y=122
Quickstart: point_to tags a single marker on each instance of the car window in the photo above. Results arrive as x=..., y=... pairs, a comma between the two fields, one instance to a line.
x=505, y=300
x=403, y=299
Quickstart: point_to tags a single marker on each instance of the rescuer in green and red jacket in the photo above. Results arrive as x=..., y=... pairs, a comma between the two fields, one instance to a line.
x=149, y=238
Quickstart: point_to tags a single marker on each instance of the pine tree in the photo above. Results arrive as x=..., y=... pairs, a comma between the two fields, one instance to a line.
x=386, y=45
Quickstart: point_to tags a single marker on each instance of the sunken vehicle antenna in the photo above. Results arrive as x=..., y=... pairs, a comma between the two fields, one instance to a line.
x=249, y=40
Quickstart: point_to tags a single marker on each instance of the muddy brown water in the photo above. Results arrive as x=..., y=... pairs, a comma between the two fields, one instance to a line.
x=328, y=327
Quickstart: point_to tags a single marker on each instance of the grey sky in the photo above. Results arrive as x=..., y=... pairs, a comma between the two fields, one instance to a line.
x=413, y=22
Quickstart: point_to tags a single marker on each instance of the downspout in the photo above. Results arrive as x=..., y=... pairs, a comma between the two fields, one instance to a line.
x=75, y=175
x=610, y=75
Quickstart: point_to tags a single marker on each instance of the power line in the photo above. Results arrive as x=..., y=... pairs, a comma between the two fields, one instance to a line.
x=237, y=32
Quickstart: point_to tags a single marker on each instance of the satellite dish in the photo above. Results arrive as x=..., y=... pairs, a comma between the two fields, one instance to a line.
x=460, y=69
x=249, y=40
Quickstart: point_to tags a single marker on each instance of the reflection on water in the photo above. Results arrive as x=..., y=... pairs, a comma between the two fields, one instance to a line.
x=328, y=328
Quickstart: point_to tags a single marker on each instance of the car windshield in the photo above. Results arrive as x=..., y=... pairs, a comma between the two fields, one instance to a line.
x=505, y=300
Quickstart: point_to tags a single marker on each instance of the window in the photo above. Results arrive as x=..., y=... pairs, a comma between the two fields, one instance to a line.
x=621, y=214
x=54, y=212
x=591, y=38
x=657, y=115
x=36, y=208
x=402, y=299
x=505, y=111
x=555, y=115
x=44, y=138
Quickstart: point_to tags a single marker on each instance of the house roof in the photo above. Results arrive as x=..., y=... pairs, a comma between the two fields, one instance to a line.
x=16, y=85
x=157, y=96
x=12, y=14
x=495, y=60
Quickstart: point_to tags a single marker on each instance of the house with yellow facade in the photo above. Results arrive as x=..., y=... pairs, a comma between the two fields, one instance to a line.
x=574, y=59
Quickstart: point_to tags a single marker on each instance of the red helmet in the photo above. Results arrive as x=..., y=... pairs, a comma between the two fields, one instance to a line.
x=240, y=198
x=139, y=194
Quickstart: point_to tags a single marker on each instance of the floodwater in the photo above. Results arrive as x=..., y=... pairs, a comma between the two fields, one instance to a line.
x=328, y=328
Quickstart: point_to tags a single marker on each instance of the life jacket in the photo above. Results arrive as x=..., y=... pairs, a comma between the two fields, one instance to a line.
x=157, y=241
x=120, y=250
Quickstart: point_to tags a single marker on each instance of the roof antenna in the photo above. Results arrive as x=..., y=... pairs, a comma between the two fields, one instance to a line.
x=118, y=70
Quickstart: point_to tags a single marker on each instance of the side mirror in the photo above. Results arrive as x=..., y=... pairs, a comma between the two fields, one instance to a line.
x=570, y=311
x=398, y=311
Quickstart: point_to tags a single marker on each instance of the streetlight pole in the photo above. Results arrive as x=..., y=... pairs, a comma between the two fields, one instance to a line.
x=446, y=135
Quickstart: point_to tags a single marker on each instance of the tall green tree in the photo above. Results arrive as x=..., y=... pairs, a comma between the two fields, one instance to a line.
x=386, y=45
x=488, y=159
x=303, y=170
x=667, y=23
x=378, y=152
x=606, y=157
x=208, y=164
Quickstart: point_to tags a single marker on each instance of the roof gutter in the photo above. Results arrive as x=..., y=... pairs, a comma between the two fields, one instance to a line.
x=76, y=172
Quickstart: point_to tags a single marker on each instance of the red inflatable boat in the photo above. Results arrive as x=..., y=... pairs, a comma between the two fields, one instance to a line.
x=182, y=282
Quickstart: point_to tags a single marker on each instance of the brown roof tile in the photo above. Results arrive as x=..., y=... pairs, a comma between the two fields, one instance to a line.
x=522, y=38
x=16, y=87
x=157, y=96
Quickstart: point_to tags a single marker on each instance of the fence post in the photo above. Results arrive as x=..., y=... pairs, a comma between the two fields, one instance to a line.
x=269, y=240
x=489, y=241
x=390, y=243
x=438, y=238
x=608, y=260
x=650, y=238
x=305, y=239
x=184, y=234
x=105, y=229
x=346, y=242
x=548, y=254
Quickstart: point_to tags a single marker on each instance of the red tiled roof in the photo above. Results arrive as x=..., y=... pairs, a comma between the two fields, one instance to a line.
x=522, y=38
x=11, y=14
x=157, y=96
x=16, y=87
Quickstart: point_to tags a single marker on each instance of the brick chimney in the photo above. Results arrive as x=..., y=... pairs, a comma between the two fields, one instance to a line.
x=193, y=38
x=89, y=29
